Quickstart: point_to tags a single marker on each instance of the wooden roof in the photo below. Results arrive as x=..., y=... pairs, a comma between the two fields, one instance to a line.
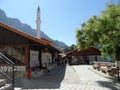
x=9, y=28
x=88, y=51
x=23, y=35
x=48, y=41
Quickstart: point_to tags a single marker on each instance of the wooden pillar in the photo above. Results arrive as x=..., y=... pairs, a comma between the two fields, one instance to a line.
x=27, y=57
x=78, y=59
x=40, y=58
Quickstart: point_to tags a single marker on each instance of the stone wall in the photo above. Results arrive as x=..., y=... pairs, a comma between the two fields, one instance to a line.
x=20, y=71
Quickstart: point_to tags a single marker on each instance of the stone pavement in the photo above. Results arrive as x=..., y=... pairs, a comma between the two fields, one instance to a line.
x=69, y=78
x=94, y=81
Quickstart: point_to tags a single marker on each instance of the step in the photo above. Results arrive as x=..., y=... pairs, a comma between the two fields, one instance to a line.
x=6, y=87
x=17, y=88
x=2, y=82
x=37, y=74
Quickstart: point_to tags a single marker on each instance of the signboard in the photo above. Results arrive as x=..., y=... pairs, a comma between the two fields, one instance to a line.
x=46, y=59
x=34, y=58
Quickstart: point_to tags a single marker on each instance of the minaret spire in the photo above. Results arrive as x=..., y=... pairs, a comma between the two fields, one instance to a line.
x=38, y=24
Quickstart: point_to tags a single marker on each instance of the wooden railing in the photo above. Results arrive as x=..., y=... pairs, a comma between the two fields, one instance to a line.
x=7, y=69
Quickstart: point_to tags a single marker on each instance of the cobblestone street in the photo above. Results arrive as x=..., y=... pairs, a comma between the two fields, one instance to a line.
x=70, y=78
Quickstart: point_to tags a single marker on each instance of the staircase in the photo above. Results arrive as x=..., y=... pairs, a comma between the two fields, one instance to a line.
x=4, y=85
x=6, y=73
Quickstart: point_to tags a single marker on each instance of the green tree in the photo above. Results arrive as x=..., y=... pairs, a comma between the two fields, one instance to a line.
x=70, y=48
x=102, y=32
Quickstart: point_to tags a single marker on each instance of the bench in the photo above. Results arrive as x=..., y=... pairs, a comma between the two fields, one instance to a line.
x=96, y=66
x=114, y=71
x=105, y=69
x=110, y=70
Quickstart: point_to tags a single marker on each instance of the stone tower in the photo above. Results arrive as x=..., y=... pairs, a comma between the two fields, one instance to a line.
x=38, y=24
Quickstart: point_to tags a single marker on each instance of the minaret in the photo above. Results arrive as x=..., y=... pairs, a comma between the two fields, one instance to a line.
x=38, y=23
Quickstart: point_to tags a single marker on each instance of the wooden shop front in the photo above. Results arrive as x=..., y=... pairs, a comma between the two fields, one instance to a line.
x=23, y=49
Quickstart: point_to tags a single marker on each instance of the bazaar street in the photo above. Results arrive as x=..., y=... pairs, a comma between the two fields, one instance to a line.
x=67, y=77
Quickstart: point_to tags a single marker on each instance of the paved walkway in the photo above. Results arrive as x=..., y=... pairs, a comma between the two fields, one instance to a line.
x=93, y=81
x=69, y=78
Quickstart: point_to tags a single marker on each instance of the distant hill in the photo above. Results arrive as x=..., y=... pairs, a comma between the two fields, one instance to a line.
x=59, y=44
x=16, y=23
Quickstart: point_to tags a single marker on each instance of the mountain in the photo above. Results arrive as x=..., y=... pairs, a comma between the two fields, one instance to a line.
x=59, y=44
x=16, y=23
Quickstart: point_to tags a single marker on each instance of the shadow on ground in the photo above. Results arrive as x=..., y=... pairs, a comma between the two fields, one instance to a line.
x=113, y=85
x=50, y=80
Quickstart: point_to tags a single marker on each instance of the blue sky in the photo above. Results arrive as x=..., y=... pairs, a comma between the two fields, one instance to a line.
x=60, y=18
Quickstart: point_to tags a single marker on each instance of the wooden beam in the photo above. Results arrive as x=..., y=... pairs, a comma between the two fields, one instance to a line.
x=27, y=57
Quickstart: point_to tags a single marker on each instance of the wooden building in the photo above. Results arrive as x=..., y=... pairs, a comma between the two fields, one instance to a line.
x=25, y=50
x=86, y=56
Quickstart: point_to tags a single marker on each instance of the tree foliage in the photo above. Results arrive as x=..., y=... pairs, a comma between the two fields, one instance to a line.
x=70, y=48
x=101, y=31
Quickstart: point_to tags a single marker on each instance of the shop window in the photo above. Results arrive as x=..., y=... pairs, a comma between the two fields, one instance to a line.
x=16, y=54
x=21, y=55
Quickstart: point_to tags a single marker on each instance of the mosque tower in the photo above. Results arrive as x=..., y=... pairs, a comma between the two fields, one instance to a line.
x=38, y=24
